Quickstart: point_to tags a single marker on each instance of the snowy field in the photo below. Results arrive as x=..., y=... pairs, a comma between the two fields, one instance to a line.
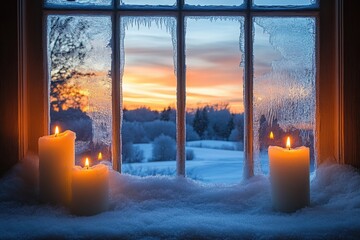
x=180, y=208
x=211, y=163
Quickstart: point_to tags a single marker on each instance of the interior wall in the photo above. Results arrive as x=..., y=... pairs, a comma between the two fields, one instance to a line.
x=35, y=74
x=9, y=143
x=351, y=85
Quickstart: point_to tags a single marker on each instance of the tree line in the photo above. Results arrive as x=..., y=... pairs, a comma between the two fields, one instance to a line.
x=210, y=122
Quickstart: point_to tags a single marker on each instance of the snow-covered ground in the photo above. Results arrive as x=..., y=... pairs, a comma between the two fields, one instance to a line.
x=179, y=208
x=211, y=164
x=214, y=162
x=215, y=144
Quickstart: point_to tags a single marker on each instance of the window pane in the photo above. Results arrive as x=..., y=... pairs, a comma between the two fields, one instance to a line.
x=284, y=2
x=209, y=3
x=149, y=95
x=158, y=3
x=79, y=60
x=284, y=84
x=215, y=108
x=79, y=3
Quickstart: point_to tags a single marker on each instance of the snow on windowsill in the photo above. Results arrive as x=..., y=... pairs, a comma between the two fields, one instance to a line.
x=176, y=207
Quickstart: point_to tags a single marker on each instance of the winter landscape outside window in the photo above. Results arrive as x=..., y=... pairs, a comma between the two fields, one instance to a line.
x=118, y=69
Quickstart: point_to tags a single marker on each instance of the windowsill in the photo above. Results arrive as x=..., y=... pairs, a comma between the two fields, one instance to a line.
x=177, y=207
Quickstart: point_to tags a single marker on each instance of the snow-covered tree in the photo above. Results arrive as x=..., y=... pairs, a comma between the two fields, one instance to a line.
x=133, y=132
x=156, y=128
x=131, y=153
x=142, y=114
x=164, y=149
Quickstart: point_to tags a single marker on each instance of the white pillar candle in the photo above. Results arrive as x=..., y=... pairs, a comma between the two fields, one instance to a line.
x=90, y=189
x=289, y=176
x=56, y=160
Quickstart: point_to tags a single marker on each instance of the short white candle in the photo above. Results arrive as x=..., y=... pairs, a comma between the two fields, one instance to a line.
x=289, y=176
x=90, y=189
x=56, y=160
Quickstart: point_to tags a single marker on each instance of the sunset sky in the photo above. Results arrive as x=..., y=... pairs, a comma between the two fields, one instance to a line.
x=283, y=60
x=214, y=73
x=213, y=57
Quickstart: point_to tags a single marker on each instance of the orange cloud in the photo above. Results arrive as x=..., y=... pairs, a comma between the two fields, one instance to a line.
x=156, y=87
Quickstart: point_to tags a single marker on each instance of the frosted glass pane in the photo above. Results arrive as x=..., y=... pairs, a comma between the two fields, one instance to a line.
x=79, y=61
x=209, y=3
x=284, y=2
x=148, y=2
x=79, y=3
x=284, y=84
x=149, y=95
x=214, y=98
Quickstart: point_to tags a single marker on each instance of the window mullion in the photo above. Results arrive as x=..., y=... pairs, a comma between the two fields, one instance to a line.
x=116, y=96
x=181, y=94
x=248, y=95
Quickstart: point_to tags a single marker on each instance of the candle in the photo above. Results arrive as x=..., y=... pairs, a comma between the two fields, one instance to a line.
x=90, y=189
x=56, y=160
x=289, y=176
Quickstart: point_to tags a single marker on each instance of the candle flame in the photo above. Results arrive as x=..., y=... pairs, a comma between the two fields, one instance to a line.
x=288, y=145
x=87, y=163
x=100, y=157
x=56, y=131
x=271, y=135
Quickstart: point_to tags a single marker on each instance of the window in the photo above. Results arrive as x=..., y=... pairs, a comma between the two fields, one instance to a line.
x=117, y=77
x=284, y=83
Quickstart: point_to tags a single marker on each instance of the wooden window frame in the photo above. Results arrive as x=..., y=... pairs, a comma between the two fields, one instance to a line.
x=33, y=85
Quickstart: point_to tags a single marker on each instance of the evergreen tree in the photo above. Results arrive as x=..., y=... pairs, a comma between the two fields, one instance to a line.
x=229, y=127
x=165, y=114
x=205, y=118
x=201, y=121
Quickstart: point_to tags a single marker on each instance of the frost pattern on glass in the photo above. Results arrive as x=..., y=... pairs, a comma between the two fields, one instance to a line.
x=284, y=3
x=79, y=3
x=284, y=83
x=212, y=3
x=148, y=60
x=214, y=100
x=167, y=23
x=79, y=60
x=158, y=3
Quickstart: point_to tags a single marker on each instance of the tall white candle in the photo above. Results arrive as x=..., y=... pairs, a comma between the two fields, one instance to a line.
x=90, y=189
x=56, y=160
x=289, y=176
